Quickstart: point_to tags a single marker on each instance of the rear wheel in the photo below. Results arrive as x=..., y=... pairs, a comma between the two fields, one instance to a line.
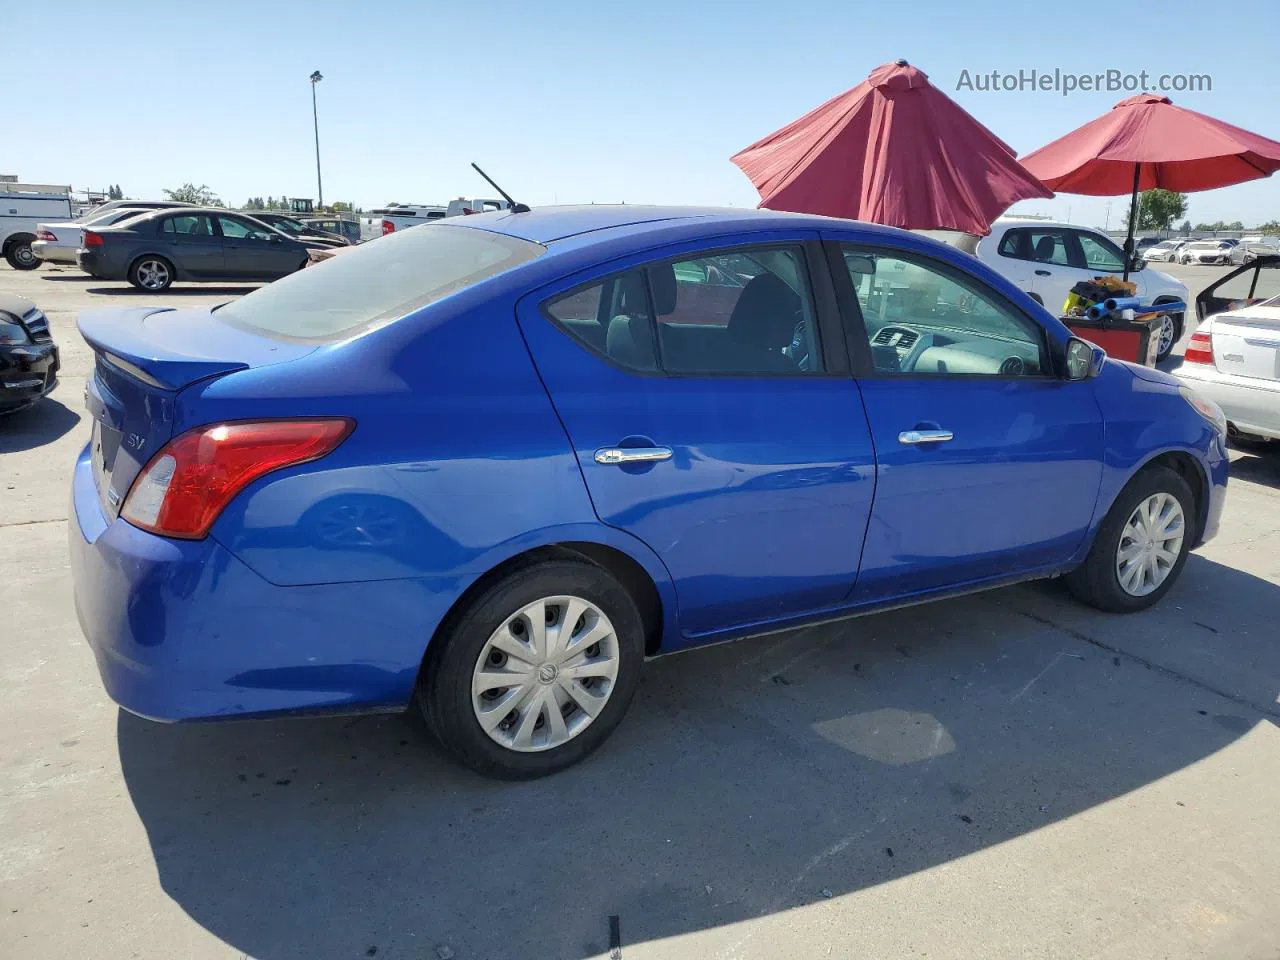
x=152, y=274
x=19, y=253
x=536, y=672
x=1141, y=546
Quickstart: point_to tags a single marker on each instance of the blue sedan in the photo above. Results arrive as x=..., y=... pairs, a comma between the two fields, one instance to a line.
x=490, y=466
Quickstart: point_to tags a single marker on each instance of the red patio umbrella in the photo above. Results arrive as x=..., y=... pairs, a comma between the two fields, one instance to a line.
x=892, y=150
x=1144, y=142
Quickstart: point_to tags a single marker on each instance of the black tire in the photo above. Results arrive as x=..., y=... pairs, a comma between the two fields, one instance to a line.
x=19, y=252
x=140, y=271
x=1095, y=581
x=444, y=689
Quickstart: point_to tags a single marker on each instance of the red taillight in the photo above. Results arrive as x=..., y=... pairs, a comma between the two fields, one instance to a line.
x=187, y=484
x=388, y=227
x=1199, y=349
x=92, y=239
x=45, y=235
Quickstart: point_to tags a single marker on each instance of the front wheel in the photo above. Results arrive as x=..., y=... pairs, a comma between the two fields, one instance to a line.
x=1168, y=334
x=1141, y=546
x=536, y=672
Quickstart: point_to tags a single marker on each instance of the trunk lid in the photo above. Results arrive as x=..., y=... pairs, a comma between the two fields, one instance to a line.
x=143, y=358
x=1247, y=344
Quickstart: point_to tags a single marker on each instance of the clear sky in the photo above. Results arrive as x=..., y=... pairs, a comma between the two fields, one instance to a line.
x=565, y=100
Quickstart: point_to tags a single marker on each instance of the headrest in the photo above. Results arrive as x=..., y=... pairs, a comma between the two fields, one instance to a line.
x=662, y=279
x=766, y=313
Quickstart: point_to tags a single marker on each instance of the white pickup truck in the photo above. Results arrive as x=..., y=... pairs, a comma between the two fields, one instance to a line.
x=22, y=207
x=377, y=223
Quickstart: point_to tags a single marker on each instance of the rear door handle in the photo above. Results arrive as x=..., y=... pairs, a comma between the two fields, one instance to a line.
x=925, y=436
x=1044, y=273
x=612, y=455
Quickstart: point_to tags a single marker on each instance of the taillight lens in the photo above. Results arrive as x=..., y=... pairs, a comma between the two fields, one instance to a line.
x=184, y=488
x=388, y=227
x=1199, y=349
x=45, y=235
x=92, y=239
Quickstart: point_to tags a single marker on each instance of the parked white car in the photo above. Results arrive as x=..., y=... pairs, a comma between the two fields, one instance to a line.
x=1165, y=251
x=1207, y=251
x=58, y=242
x=1233, y=358
x=1047, y=259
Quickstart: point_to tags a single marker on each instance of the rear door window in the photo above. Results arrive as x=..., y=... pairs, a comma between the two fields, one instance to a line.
x=189, y=225
x=377, y=282
x=742, y=312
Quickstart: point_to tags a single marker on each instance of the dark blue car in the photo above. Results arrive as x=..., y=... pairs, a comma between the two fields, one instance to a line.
x=492, y=465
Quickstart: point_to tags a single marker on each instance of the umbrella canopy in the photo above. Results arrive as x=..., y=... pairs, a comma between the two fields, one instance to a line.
x=1145, y=142
x=893, y=150
x=1172, y=148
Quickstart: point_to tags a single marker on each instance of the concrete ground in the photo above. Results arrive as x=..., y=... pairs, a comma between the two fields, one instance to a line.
x=1003, y=776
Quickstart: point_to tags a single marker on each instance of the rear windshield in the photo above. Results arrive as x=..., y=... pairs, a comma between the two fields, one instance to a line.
x=377, y=281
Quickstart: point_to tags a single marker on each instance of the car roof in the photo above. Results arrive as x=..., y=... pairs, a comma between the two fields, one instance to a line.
x=549, y=224
x=1007, y=222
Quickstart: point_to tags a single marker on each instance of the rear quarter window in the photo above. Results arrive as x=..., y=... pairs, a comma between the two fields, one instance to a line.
x=377, y=282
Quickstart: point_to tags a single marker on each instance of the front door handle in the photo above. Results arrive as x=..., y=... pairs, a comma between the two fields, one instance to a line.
x=1044, y=273
x=925, y=436
x=611, y=455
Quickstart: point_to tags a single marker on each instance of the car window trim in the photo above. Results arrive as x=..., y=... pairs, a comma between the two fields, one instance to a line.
x=856, y=329
x=830, y=332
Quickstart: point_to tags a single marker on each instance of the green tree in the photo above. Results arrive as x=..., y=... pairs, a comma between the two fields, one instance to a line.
x=1184, y=226
x=341, y=207
x=190, y=193
x=1234, y=225
x=1271, y=226
x=1157, y=209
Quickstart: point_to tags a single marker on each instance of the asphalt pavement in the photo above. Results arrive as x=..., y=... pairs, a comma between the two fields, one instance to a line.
x=1009, y=775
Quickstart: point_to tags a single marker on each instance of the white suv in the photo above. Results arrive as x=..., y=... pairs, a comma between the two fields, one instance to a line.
x=1046, y=259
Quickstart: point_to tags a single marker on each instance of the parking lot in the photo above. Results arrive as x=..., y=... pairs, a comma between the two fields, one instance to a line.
x=1009, y=775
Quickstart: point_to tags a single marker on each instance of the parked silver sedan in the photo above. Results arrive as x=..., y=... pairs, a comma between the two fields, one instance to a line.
x=58, y=242
x=1249, y=251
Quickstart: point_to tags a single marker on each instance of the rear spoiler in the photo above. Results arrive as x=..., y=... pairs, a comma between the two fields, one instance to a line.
x=123, y=340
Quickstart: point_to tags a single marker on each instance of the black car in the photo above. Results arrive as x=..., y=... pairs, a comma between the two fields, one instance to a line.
x=296, y=228
x=28, y=357
x=349, y=229
x=201, y=244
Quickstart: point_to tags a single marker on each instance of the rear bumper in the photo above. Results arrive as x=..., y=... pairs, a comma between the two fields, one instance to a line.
x=94, y=264
x=182, y=630
x=27, y=373
x=51, y=252
x=1251, y=405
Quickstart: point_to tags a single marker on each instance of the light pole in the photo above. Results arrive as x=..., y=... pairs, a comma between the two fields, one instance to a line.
x=315, y=120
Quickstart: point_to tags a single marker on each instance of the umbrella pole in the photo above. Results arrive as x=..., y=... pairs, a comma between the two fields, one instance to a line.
x=1133, y=217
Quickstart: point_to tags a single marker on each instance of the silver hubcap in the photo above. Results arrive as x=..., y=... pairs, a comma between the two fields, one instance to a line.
x=1150, y=544
x=153, y=274
x=24, y=254
x=1166, y=334
x=545, y=674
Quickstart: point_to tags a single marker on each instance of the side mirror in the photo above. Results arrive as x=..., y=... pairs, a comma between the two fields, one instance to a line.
x=1139, y=262
x=1084, y=360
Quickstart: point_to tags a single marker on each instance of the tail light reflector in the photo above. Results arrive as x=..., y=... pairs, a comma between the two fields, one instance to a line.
x=184, y=488
x=92, y=239
x=46, y=235
x=388, y=227
x=1199, y=349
